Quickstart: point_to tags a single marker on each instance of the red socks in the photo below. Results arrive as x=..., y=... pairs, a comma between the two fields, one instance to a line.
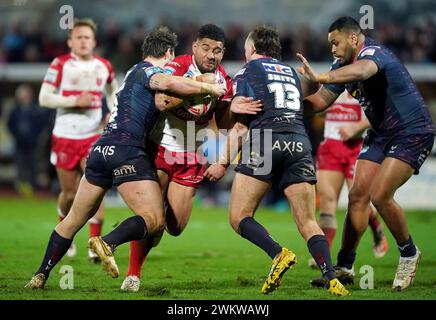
x=138, y=252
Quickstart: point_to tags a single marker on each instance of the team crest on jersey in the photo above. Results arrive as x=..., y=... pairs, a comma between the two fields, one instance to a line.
x=51, y=75
x=99, y=81
x=277, y=68
x=74, y=81
x=368, y=52
x=220, y=78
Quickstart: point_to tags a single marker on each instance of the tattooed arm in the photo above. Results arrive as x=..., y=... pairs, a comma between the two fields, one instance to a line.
x=319, y=101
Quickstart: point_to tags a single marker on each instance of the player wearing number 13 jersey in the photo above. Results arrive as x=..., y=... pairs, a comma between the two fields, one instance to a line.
x=280, y=154
x=278, y=87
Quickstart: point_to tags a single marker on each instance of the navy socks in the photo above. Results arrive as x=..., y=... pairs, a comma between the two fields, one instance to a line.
x=133, y=228
x=254, y=232
x=319, y=249
x=56, y=249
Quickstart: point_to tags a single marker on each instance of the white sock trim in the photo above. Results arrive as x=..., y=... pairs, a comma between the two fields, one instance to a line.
x=60, y=213
x=94, y=221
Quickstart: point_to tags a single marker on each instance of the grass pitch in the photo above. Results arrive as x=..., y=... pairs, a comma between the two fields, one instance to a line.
x=208, y=261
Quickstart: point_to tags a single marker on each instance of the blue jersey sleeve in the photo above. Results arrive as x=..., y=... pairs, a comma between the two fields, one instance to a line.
x=376, y=54
x=148, y=72
x=241, y=86
x=169, y=70
x=336, y=88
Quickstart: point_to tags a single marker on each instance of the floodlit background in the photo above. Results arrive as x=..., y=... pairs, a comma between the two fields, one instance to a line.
x=209, y=260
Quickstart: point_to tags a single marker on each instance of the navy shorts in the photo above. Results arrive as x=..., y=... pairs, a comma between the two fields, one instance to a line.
x=412, y=149
x=282, y=158
x=112, y=165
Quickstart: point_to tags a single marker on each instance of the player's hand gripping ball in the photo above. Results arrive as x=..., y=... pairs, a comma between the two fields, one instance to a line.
x=200, y=104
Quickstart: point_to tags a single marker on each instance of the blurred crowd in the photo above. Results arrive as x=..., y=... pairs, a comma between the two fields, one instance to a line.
x=27, y=42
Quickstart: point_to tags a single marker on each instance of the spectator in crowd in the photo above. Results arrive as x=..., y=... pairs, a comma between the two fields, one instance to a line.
x=26, y=122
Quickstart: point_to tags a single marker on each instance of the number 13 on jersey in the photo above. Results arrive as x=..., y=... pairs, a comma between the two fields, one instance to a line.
x=286, y=95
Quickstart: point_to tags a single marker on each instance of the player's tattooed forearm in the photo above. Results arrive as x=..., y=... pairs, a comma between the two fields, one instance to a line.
x=328, y=96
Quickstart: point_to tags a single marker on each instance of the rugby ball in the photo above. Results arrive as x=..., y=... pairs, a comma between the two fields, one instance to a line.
x=199, y=105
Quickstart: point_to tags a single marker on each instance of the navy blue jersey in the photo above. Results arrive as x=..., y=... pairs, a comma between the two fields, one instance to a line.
x=134, y=113
x=278, y=87
x=391, y=101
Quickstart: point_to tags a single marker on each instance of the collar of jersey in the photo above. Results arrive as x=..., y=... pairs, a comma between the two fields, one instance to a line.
x=75, y=57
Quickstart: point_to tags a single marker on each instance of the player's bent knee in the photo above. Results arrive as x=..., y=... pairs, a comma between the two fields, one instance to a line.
x=68, y=195
x=155, y=223
x=235, y=220
x=379, y=199
x=159, y=227
x=156, y=239
x=175, y=227
x=327, y=197
x=357, y=195
x=174, y=230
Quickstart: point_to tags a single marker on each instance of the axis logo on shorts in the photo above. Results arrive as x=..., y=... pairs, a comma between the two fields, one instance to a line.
x=105, y=150
x=125, y=171
x=289, y=146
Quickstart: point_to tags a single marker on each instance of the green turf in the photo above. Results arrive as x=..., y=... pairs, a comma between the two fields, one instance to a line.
x=208, y=261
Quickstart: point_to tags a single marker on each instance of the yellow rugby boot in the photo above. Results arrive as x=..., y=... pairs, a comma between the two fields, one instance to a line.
x=37, y=282
x=281, y=263
x=336, y=288
x=104, y=252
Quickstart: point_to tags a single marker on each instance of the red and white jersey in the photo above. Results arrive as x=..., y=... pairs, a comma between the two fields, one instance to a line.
x=172, y=127
x=71, y=77
x=345, y=111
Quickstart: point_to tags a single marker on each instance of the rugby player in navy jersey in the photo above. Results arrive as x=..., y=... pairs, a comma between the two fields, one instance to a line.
x=400, y=140
x=278, y=151
x=119, y=158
